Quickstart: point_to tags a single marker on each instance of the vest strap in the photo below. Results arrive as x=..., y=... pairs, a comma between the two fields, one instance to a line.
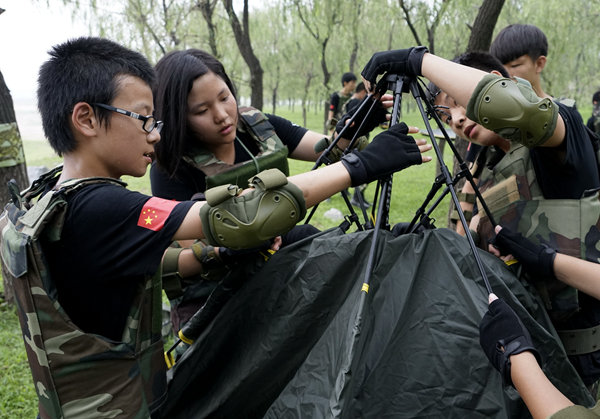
x=171, y=280
x=580, y=341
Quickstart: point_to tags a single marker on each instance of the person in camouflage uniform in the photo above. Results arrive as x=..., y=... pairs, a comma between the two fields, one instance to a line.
x=86, y=256
x=548, y=192
x=541, y=177
x=210, y=141
x=338, y=99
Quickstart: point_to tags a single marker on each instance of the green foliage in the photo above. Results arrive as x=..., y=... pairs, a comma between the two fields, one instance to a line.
x=17, y=395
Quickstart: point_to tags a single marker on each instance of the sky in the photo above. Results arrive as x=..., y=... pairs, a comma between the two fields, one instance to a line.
x=28, y=29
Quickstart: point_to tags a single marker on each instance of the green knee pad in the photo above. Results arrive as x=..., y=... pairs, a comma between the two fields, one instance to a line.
x=272, y=208
x=512, y=110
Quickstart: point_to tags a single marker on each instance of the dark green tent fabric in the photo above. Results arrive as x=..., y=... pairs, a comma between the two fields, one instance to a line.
x=295, y=341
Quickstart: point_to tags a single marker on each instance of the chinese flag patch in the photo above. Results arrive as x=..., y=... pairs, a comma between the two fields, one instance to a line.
x=155, y=212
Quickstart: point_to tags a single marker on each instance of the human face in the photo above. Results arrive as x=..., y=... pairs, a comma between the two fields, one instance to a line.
x=127, y=148
x=455, y=116
x=524, y=67
x=349, y=86
x=212, y=111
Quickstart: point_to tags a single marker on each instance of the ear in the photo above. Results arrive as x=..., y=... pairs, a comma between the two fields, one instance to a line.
x=84, y=119
x=496, y=72
x=540, y=63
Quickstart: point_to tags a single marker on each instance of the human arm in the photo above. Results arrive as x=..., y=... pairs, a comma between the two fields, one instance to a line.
x=390, y=151
x=542, y=126
x=537, y=391
x=461, y=82
x=199, y=258
x=578, y=273
x=507, y=344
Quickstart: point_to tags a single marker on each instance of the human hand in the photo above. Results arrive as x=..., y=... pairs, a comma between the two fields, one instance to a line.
x=231, y=257
x=536, y=259
x=406, y=62
x=363, y=124
x=390, y=151
x=501, y=335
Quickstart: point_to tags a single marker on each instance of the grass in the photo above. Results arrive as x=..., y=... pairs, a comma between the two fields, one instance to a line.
x=17, y=396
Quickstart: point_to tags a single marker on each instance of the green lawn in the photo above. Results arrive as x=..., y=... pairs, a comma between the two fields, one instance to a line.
x=17, y=396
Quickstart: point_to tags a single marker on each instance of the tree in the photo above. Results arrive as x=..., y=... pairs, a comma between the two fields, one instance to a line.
x=430, y=14
x=12, y=161
x=207, y=7
x=483, y=26
x=241, y=31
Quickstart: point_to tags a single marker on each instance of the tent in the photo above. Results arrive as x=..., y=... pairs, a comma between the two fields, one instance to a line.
x=303, y=338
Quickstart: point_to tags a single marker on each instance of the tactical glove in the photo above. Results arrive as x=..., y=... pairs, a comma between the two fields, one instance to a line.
x=502, y=334
x=389, y=152
x=536, y=259
x=403, y=62
x=373, y=120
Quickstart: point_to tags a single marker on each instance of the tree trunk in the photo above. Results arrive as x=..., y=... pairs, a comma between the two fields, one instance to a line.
x=12, y=162
x=483, y=26
x=207, y=7
x=242, y=38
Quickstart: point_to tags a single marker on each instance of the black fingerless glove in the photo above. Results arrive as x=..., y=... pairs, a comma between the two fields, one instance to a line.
x=231, y=256
x=378, y=116
x=536, y=259
x=403, y=62
x=502, y=334
x=390, y=151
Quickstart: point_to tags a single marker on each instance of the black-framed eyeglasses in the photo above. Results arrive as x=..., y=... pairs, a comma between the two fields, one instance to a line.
x=149, y=122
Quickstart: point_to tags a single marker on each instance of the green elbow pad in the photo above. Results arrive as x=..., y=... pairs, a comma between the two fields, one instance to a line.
x=513, y=110
x=271, y=208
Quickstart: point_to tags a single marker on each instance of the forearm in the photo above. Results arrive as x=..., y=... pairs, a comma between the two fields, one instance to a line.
x=456, y=80
x=319, y=185
x=578, y=273
x=188, y=265
x=306, y=148
x=538, y=393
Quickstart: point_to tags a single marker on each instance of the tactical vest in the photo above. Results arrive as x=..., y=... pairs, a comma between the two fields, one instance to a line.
x=78, y=374
x=272, y=153
x=571, y=226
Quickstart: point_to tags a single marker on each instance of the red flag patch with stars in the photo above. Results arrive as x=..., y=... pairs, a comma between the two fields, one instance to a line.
x=155, y=212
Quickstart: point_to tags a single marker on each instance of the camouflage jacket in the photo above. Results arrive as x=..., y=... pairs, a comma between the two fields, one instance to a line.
x=273, y=153
x=77, y=374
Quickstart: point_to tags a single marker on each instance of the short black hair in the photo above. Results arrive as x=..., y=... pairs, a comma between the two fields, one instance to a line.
x=176, y=72
x=360, y=87
x=348, y=77
x=477, y=59
x=519, y=39
x=86, y=69
x=596, y=97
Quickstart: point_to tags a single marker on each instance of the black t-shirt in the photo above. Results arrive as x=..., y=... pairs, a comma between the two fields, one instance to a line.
x=571, y=169
x=334, y=102
x=104, y=254
x=189, y=180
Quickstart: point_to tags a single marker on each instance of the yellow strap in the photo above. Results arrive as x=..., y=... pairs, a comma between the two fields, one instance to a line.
x=169, y=360
x=184, y=339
